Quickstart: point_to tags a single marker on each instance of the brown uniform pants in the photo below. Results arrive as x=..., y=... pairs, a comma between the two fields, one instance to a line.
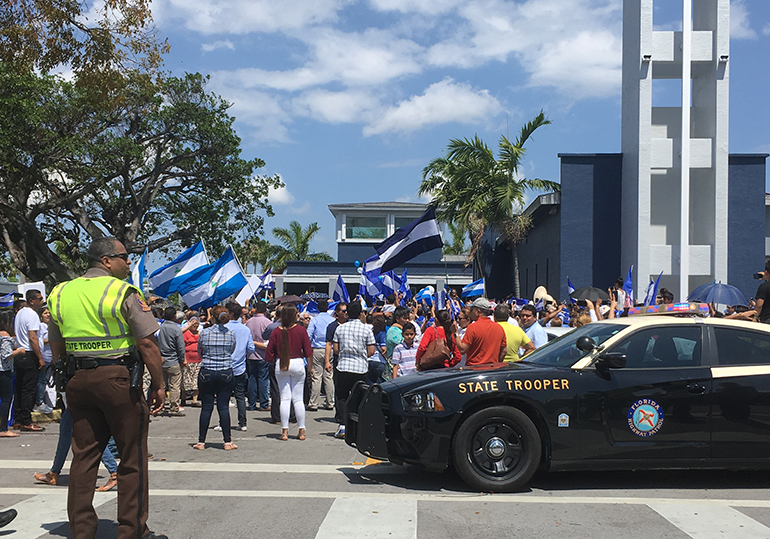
x=102, y=403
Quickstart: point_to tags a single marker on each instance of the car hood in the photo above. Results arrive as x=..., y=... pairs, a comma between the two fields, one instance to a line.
x=476, y=372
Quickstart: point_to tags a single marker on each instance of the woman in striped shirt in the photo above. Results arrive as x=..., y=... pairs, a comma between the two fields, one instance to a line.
x=215, y=379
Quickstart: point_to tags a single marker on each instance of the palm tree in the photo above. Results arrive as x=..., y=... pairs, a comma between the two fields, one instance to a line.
x=296, y=241
x=255, y=251
x=476, y=190
x=457, y=245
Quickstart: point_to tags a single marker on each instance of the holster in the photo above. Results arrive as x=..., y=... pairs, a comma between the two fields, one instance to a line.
x=64, y=370
x=135, y=366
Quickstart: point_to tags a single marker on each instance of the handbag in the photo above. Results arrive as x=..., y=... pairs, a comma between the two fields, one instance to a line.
x=435, y=354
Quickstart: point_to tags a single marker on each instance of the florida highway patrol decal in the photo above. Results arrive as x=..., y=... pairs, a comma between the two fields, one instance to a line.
x=645, y=417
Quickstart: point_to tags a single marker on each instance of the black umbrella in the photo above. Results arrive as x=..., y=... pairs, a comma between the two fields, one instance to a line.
x=591, y=293
x=314, y=296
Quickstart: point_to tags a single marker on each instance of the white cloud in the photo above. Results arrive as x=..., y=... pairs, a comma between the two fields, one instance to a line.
x=442, y=102
x=336, y=107
x=280, y=196
x=430, y=7
x=226, y=44
x=245, y=16
x=766, y=30
x=740, y=25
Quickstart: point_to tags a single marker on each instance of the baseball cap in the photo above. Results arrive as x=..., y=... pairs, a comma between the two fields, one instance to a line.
x=482, y=303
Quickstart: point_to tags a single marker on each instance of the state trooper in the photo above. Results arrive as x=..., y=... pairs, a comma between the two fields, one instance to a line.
x=100, y=327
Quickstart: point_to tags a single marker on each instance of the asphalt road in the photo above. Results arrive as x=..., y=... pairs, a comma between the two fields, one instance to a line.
x=323, y=489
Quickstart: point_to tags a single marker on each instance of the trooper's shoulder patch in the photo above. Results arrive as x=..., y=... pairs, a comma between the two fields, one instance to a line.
x=142, y=303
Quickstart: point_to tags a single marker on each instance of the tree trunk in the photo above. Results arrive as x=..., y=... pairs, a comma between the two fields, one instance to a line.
x=30, y=253
x=516, y=282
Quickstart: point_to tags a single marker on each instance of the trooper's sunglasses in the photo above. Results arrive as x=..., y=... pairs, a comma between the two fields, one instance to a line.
x=124, y=256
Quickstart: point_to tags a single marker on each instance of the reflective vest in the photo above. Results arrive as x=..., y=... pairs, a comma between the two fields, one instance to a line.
x=88, y=314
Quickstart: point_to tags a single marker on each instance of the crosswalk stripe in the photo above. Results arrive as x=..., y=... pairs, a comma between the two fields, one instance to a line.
x=354, y=518
x=44, y=512
x=711, y=522
x=234, y=467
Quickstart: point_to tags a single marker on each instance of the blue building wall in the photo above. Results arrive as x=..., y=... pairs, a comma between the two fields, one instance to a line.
x=539, y=254
x=590, y=220
x=746, y=221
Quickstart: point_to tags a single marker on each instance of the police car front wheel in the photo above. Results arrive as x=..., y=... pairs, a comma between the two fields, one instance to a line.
x=497, y=449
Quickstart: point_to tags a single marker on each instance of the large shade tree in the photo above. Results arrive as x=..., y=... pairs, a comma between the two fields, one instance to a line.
x=162, y=165
x=296, y=246
x=474, y=189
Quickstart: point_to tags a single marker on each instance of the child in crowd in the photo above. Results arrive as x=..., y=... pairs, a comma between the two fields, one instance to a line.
x=405, y=353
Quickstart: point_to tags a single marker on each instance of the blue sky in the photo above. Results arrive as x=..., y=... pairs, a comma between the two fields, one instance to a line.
x=349, y=100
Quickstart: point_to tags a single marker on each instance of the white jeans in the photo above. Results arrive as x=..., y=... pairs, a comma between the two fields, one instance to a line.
x=292, y=386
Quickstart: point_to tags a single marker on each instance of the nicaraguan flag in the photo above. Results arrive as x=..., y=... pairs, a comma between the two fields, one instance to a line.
x=209, y=285
x=368, y=286
x=332, y=306
x=476, y=288
x=407, y=242
x=652, y=291
x=441, y=297
x=340, y=292
x=166, y=280
x=454, y=307
x=7, y=300
x=426, y=294
x=139, y=272
x=539, y=305
x=570, y=290
x=267, y=281
x=628, y=286
x=389, y=283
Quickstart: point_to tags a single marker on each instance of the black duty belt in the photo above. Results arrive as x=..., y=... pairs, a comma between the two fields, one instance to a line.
x=93, y=362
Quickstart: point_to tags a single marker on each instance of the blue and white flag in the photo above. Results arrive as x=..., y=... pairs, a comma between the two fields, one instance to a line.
x=368, y=287
x=266, y=281
x=310, y=307
x=139, y=272
x=209, y=285
x=628, y=286
x=340, y=292
x=403, y=286
x=570, y=290
x=426, y=294
x=652, y=291
x=389, y=283
x=476, y=288
x=539, y=305
x=167, y=279
x=7, y=300
x=441, y=297
x=407, y=242
x=332, y=306
x=454, y=307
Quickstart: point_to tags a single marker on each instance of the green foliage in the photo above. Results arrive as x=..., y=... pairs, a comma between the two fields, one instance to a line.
x=457, y=244
x=296, y=246
x=162, y=166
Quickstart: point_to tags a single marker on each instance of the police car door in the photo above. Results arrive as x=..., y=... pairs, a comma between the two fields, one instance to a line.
x=740, y=418
x=657, y=407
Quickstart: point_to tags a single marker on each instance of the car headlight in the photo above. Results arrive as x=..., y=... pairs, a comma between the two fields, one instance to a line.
x=424, y=401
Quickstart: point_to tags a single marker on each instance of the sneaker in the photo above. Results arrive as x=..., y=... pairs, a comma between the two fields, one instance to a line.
x=311, y=408
x=7, y=516
x=232, y=404
x=242, y=429
x=340, y=432
x=43, y=409
x=218, y=428
x=178, y=413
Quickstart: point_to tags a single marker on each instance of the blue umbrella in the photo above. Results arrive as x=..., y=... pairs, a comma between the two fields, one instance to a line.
x=724, y=294
x=699, y=291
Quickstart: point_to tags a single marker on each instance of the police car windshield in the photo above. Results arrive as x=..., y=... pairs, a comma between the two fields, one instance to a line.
x=563, y=352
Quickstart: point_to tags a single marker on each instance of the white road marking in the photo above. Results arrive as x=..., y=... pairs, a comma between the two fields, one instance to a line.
x=44, y=512
x=165, y=466
x=370, y=518
x=711, y=522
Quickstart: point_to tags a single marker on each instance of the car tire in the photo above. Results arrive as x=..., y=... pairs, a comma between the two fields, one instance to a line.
x=497, y=449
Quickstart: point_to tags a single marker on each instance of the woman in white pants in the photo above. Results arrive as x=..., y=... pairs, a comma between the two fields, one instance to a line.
x=289, y=348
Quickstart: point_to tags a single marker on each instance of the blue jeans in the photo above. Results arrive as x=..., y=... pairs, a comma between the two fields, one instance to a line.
x=239, y=388
x=211, y=385
x=259, y=383
x=65, y=441
x=374, y=376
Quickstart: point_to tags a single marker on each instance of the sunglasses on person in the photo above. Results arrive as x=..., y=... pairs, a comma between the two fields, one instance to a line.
x=124, y=256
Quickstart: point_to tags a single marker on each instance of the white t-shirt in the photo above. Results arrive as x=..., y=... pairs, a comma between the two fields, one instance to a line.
x=26, y=320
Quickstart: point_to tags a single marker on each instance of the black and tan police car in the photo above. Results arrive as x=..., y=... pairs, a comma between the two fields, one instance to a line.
x=640, y=392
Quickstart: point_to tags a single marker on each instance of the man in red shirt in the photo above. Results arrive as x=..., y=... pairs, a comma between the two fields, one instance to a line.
x=484, y=340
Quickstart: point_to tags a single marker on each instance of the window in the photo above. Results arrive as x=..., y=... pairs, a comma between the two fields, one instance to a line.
x=563, y=352
x=742, y=347
x=365, y=228
x=662, y=347
x=403, y=221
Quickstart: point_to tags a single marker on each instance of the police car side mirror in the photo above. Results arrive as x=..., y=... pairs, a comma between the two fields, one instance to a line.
x=586, y=344
x=611, y=360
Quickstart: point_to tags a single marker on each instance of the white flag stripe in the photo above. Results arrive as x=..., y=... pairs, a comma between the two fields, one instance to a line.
x=249, y=290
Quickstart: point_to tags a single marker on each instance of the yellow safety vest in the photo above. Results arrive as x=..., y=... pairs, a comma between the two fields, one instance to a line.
x=88, y=313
